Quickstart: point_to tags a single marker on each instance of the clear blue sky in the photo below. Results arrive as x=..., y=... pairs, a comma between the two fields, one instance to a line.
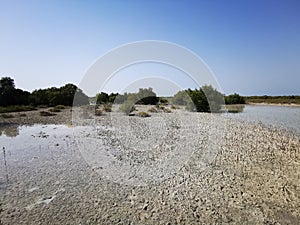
x=253, y=47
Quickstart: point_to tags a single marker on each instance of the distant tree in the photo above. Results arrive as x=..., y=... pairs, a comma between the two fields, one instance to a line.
x=181, y=98
x=146, y=96
x=102, y=98
x=7, y=82
x=234, y=99
x=214, y=98
x=112, y=97
x=199, y=100
x=72, y=95
x=205, y=99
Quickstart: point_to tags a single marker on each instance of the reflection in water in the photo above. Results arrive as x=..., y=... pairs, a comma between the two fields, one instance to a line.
x=233, y=108
x=284, y=117
x=5, y=164
x=9, y=131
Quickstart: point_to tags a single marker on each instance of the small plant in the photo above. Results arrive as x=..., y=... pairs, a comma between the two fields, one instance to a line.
x=166, y=110
x=45, y=113
x=6, y=116
x=153, y=110
x=173, y=107
x=143, y=114
x=107, y=107
x=54, y=110
x=98, y=112
x=127, y=107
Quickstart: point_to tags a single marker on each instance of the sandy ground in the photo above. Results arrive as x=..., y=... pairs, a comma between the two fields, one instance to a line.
x=222, y=171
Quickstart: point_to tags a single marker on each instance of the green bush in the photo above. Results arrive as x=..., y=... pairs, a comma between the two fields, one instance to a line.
x=234, y=99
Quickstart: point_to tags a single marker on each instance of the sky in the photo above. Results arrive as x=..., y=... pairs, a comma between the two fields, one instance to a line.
x=251, y=46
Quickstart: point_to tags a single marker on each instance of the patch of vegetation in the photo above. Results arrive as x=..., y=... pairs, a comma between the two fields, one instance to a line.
x=163, y=101
x=22, y=115
x=173, y=107
x=205, y=99
x=234, y=99
x=11, y=96
x=54, y=110
x=127, y=107
x=107, y=107
x=16, y=108
x=166, y=110
x=143, y=114
x=98, y=112
x=45, y=113
x=6, y=116
x=292, y=99
x=153, y=110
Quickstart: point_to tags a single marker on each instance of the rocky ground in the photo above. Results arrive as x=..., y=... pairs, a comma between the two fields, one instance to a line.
x=170, y=168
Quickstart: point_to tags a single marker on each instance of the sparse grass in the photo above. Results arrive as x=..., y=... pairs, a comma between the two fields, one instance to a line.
x=98, y=112
x=16, y=108
x=6, y=116
x=153, y=110
x=166, y=110
x=143, y=114
x=54, y=110
x=45, y=113
x=107, y=107
x=127, y=108
x=273, y=99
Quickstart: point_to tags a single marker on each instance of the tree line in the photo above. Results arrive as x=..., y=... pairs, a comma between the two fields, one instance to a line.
x=204, y=99
x=10, y=95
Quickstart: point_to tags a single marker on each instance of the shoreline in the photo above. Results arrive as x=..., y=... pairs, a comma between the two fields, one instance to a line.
x=272, y=104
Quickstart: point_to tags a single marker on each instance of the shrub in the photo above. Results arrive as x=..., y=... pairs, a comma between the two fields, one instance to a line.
x=45, y=113
x=107, y=107
x=127, y=107
x=54, y=110
x=173, y=107
x=166, y=110
x=234, y=99
x=143, y=114
x=153, y=110
x=98, y=112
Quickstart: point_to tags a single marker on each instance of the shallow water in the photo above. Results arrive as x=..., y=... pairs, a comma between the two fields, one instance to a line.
x=283, y=117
